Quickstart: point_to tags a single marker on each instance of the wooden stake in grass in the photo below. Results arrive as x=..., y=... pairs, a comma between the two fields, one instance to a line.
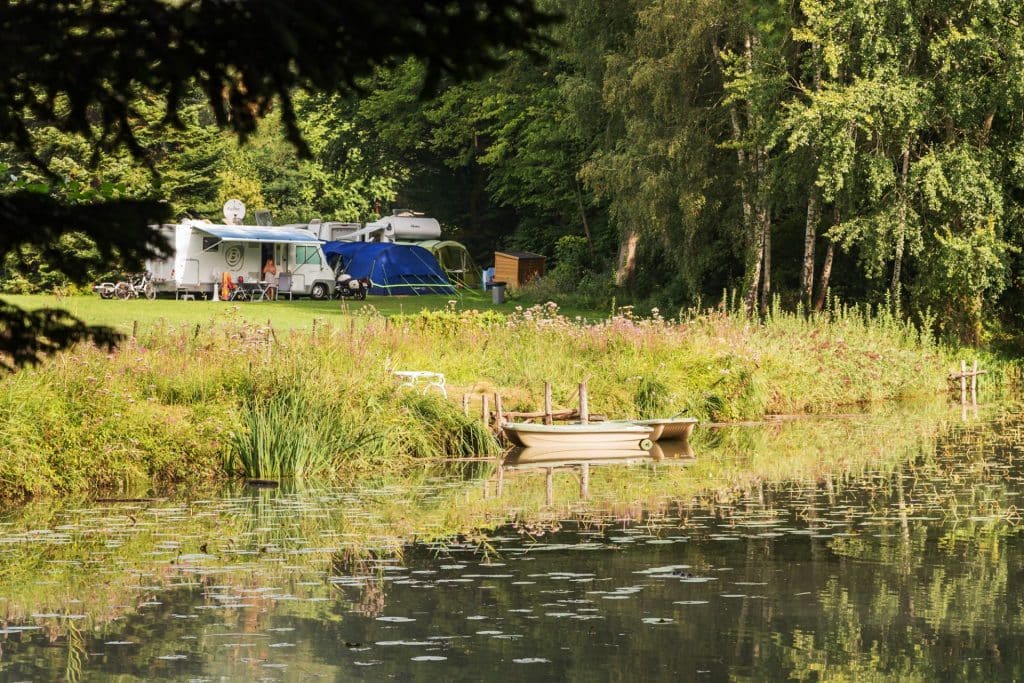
x=465, y=405
x=549, y=485
x=135, y=330
x=485, y=411
x=584, y=406
x=585, y=480
x=548, y=419
x=498, y=414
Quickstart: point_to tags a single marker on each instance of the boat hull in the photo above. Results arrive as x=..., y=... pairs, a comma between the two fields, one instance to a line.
x=600, y=436
x=670, y=428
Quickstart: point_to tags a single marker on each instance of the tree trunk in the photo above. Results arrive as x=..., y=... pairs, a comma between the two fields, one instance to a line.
x=766, y=272
x=751, y=227
x=901, y=224
x=756, y=260
x=583, y=214
x=810, y=235
x=813, y=212
x=826, y=274
x=627, y=258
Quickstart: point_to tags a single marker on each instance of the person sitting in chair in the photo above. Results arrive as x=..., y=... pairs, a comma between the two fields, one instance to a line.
x=270, y=277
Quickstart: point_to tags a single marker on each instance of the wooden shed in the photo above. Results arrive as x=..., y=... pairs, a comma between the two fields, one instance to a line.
x=516, y=268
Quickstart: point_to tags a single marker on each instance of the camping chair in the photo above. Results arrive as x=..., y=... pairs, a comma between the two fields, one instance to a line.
x=237, y=291
x=284, y=285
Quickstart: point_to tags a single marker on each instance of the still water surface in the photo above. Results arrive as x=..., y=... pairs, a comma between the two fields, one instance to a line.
x=903, y=566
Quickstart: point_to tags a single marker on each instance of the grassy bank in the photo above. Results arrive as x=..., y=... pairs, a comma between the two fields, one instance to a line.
x=196, y=400
x=284, y=314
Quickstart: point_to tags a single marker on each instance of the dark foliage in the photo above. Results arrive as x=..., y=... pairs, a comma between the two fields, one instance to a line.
x=116, y=226
x=28, y=336
x=78, y=65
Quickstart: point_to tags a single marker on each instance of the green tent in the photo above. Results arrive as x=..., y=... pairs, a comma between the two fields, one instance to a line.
x=455, y=261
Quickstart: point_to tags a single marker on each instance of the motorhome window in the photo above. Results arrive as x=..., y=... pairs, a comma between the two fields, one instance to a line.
x=307, y=254
x=211, y=243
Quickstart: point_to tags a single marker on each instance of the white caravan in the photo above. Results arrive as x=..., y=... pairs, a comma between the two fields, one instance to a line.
x=201, y=252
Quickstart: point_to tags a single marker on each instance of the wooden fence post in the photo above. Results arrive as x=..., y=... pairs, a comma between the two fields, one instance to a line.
x=498, y=414
x=585, y=480
x=974, y=384
x=584, y=407
x=465, y=405
x=485, y=411
x=547, y=404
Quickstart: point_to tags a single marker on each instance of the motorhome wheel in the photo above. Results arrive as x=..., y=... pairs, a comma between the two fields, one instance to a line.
x=318, y=292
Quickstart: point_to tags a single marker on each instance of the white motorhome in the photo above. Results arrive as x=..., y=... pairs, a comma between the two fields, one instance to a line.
x=401, y=226
x=201, y=252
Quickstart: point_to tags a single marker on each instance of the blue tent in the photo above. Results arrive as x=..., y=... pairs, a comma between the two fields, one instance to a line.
x=391, y=268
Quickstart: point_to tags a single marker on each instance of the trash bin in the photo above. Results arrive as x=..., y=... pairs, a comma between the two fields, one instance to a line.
x=498, y=292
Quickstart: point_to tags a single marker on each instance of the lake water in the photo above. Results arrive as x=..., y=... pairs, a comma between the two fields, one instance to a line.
x=895, y=553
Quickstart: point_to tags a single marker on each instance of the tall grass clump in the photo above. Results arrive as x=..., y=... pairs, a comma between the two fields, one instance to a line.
x=276, y=436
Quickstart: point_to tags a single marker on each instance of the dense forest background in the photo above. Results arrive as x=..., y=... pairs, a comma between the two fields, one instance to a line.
x=661, y=152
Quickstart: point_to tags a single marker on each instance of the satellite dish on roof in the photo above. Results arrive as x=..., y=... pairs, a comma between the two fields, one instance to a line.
x=234, y=211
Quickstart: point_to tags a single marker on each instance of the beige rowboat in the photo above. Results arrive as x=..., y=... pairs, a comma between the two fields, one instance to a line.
x=597, y=436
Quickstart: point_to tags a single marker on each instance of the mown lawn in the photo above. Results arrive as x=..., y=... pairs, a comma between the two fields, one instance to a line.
x=283, y=314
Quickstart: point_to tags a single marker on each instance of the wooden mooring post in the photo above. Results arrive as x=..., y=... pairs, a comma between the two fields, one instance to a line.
x=498, y=413
x=963, y=376
x=548, y=419
x=584, y=406
x=974, y=384
x=963, y=382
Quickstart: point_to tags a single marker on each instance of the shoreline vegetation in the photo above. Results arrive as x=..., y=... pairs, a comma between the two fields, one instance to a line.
x=187, y=402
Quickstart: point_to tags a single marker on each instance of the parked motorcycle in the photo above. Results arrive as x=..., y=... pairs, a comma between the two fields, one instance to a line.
x=348, y=287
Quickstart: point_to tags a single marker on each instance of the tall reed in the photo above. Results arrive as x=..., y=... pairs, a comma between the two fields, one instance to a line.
x=277, y=437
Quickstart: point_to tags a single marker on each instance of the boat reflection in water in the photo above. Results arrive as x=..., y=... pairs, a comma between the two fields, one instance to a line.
x=548, y=460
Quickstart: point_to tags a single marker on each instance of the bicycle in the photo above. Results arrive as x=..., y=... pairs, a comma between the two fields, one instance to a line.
x=135, y=287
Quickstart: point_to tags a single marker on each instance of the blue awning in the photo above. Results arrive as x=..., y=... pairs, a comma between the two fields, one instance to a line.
x=253, y=233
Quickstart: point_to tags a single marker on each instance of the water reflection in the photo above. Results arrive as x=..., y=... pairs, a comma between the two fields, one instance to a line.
x=578, y=462
x=857, y=549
